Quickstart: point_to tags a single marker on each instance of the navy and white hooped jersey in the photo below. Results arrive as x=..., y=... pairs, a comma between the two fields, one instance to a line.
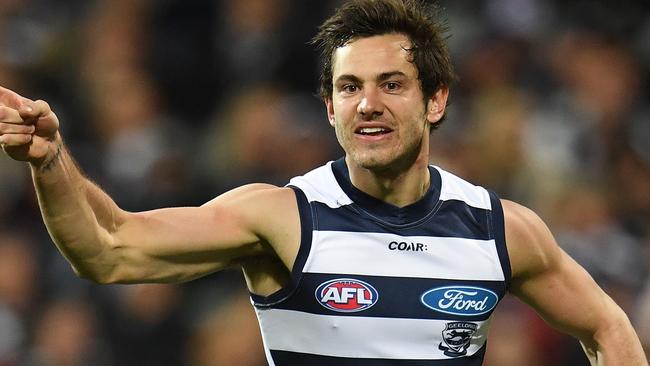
x=374, y=284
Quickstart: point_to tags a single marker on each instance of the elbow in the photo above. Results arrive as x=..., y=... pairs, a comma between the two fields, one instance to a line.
x=106, y=266
x=616, y=342
x=100, y=270
x=95, y=276
x=616, y=325
x=614, y=331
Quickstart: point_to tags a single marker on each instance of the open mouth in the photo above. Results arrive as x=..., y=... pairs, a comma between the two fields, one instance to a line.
x=372, y=131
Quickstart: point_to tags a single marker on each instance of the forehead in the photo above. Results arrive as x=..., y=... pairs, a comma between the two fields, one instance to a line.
x=374, y=55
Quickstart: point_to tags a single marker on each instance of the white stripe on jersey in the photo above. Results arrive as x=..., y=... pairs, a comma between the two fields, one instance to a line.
x=455, y=188
x=320, y=185
x=265, y=337
x=368, y=254
x=359, y=337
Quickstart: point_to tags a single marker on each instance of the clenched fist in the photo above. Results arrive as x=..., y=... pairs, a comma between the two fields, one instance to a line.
x=28, y=129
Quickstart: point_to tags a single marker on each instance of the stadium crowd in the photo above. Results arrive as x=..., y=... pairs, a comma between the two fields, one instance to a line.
x=173, y=102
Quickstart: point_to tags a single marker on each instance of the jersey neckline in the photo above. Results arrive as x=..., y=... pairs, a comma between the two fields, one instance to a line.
x=384, y=211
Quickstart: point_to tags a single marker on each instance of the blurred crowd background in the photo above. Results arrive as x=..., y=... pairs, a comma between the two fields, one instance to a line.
x=172, y=102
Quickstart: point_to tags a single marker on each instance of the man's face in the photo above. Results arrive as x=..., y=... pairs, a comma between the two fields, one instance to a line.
x=377, y=106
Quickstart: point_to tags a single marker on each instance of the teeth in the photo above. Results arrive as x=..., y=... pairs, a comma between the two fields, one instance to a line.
x=372, y=130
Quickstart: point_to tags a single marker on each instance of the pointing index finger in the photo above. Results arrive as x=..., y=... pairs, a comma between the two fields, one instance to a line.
x=11, y=99
x=10, y=115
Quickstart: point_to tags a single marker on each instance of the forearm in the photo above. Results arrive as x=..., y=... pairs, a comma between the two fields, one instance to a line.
x=79, y=216
x=564, y=294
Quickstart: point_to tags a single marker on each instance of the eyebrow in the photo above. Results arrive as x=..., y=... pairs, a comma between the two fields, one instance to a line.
x=381, y=77
x=387, y=75
x=348, y=78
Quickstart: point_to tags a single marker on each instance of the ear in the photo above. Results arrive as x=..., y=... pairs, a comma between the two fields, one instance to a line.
x=330, y=110
x=436, y=105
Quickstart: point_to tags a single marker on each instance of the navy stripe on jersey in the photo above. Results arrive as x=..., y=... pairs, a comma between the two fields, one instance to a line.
x=498, y=226
x=294, y=358
x=398, y=297
x=452, y=219
x=306, y=225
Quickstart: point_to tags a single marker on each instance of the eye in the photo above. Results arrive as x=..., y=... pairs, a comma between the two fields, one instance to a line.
x=392, y=86
x=349, y=88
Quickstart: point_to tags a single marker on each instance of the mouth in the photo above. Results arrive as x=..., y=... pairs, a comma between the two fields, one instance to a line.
x=372, y=131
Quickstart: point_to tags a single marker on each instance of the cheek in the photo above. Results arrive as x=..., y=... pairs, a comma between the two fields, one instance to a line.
x=417, y=128
x=343, y=117
x=346, y=107
x=339, y=131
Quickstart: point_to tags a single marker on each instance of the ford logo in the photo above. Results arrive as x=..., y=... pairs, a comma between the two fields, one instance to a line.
x=346, y=295
x=460, y=300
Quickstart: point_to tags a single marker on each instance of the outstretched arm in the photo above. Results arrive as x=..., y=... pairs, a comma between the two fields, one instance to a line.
x=564, y=294
x=107, y=244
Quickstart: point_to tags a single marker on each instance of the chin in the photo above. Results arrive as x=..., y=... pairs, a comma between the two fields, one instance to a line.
x=373, y=162
x=385, y=160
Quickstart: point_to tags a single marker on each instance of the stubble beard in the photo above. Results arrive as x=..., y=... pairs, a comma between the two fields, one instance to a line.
x=384, y=159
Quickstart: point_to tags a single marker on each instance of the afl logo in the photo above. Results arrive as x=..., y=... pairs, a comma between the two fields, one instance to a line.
x=346, y=295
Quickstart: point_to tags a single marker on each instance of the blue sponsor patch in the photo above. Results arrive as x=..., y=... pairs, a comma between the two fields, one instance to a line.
x=460, y=300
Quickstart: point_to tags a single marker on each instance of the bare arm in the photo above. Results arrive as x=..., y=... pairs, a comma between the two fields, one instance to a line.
x=107, y=244
x=564, y=294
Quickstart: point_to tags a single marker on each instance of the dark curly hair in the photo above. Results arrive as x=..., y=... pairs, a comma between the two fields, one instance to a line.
x=366, y=18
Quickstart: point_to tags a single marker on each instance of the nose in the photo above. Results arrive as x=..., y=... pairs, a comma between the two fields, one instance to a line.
x=370, y=105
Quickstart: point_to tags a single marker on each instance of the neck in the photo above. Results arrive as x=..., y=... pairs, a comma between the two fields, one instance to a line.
x=399, y=187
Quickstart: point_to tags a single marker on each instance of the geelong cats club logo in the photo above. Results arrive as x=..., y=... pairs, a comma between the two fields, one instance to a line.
x=456, y=338
x=346, y=295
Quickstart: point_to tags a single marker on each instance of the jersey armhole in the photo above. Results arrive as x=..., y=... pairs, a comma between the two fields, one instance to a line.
x=498, y=228
x=306, y=227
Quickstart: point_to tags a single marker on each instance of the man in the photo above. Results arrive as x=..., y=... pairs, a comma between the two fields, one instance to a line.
x=375, y=259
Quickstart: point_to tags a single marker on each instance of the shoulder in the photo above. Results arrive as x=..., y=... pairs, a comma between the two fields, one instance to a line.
x=255, y=201
x=267, y=211
x=453, y=187
x=321, y=185
x=250, y=190
x=531, y=246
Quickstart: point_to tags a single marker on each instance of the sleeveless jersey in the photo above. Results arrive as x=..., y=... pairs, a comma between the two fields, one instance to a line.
x=374, y=284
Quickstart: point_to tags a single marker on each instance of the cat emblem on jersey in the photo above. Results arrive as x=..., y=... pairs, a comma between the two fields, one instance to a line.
x=456, y=338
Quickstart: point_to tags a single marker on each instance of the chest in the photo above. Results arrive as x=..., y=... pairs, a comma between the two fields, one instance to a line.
x=376, y=295
x=387, y=275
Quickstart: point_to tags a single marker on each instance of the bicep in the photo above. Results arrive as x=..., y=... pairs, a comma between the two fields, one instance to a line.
x=550, y=281
x=178, y=244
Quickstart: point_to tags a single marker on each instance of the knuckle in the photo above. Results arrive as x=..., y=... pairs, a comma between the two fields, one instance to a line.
x=43, y=104
x=23, y=139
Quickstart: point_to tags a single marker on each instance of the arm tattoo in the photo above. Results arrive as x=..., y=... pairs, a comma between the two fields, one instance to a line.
x=49, y=164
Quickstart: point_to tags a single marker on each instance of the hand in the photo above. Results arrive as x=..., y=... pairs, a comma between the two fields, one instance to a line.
x=28, y=129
